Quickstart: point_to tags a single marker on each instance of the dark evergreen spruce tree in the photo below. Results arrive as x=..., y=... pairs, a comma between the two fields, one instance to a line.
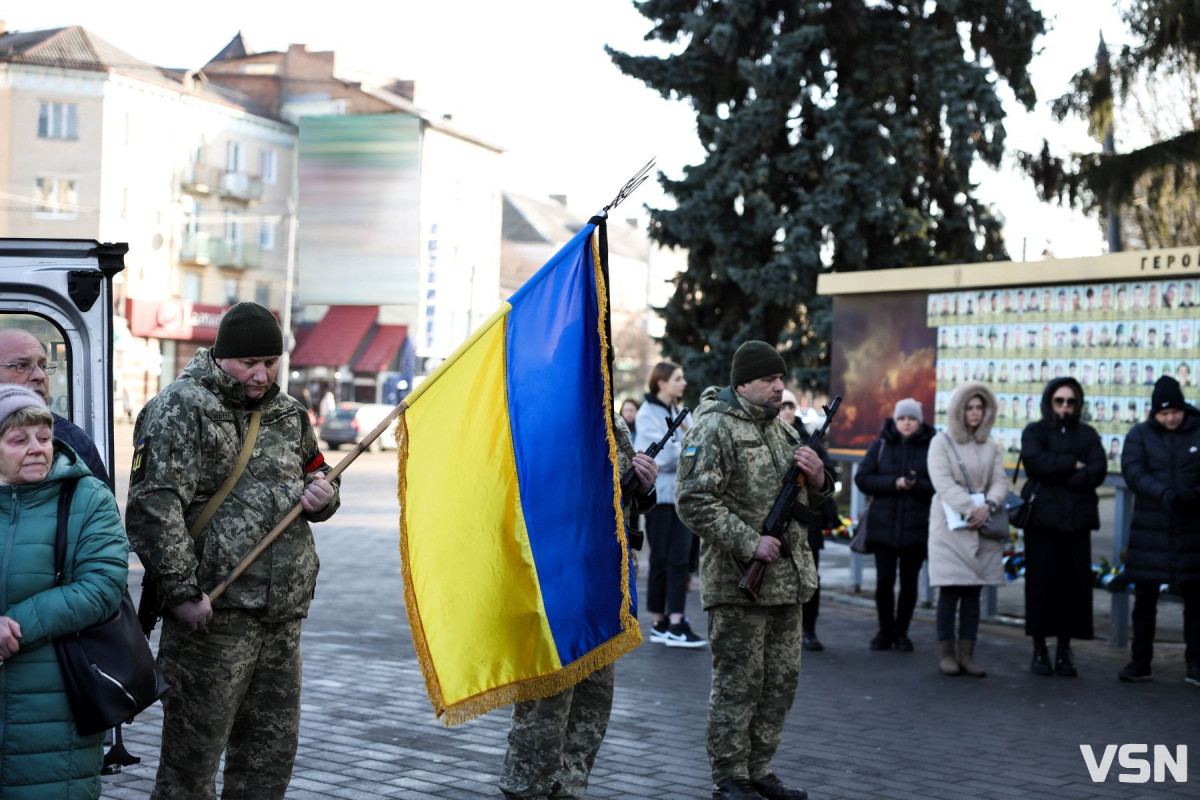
x=839, y=136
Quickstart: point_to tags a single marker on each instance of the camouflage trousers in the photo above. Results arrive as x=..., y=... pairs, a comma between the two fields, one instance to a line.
x=552, y=743
x=234, y=688
x=755, y=669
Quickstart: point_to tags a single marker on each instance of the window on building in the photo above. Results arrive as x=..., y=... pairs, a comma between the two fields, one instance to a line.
x=233, y=227
x=55, y=197
x=266, y=235
x=229, y=291
x=268, y=165
x=57, y=121
x=191, y=219
x=235, y=159
x=189, y=286
x=262, y=295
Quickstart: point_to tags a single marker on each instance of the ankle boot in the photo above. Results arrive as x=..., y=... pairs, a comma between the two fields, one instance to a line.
x=949, y=661
x=1041, y=659
x=966, y=658
x=1064, y=664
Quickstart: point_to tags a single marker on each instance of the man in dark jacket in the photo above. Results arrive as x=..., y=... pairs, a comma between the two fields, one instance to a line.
x=816, y=530
x=1161, y=464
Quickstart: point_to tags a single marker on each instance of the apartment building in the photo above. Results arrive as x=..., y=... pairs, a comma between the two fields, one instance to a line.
x=400, y=212
x=199, y=180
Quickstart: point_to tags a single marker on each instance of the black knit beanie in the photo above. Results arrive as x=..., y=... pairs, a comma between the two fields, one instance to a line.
x=248, y=331
x=1167, y=394
x=755, y=359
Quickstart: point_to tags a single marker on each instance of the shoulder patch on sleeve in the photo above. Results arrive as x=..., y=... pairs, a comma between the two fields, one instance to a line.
x=687, y=461
x=138, y=470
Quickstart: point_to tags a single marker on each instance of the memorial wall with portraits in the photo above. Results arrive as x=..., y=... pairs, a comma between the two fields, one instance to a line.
x=1116, y=338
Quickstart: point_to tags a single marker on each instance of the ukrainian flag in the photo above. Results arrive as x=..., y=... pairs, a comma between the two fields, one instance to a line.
x=517, y=576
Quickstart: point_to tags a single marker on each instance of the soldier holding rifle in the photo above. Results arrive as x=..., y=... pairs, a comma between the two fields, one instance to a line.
x=220, y=456
x=734, y=459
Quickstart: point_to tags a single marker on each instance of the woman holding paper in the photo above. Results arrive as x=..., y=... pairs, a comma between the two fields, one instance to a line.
x=967, y=470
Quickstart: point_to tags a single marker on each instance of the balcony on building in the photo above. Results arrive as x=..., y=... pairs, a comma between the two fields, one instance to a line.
x=201, y=248
x=201, y=178
x=242, y=187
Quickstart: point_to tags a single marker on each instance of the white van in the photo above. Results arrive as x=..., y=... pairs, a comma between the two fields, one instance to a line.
x=60, y=290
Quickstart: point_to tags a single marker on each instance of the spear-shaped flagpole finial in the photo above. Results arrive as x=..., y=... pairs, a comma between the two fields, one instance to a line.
x=632, y=184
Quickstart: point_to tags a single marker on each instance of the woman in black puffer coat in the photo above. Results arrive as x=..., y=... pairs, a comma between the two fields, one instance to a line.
x=895, y=474
x=1161, y=464
x=1064, y=459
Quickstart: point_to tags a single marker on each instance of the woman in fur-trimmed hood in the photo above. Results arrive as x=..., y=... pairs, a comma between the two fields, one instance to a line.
x=961, y=561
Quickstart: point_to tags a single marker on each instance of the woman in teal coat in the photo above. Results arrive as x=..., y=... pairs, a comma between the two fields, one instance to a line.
x=41, y=753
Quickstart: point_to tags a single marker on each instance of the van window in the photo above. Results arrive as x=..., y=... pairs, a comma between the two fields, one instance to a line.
x=55, y=343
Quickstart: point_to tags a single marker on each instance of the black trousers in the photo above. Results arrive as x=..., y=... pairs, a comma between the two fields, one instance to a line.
x=1145, y=620
x=670, y=549
x=812, y=609
x=894, y=619
x=949, y=600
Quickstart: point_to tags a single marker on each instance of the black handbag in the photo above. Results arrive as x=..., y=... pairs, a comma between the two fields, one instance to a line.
x=108, y=669
x=859, y=543
x=1022, y=510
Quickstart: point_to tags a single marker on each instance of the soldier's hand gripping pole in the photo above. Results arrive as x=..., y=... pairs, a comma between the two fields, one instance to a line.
x=298, y=509
x=777, y=521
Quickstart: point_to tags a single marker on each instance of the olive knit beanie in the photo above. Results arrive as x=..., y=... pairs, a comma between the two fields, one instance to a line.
x=753, y=360
x=248, y=331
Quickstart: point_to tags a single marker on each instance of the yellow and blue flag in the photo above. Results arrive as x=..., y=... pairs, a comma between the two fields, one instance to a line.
x=517, y=576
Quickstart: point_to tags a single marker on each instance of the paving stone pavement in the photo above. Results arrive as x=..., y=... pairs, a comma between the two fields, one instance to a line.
x=865, y=725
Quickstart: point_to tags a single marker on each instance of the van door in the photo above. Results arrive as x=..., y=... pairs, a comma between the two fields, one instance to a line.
x=60, y=290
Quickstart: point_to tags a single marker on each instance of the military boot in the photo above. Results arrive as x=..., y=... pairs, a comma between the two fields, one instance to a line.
x=770, y=787
x=735, y=789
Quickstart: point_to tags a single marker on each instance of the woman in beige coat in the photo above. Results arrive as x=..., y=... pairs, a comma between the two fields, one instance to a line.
x=961, y=562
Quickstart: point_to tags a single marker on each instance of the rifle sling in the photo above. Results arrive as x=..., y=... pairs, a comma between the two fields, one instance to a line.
x=243, y=459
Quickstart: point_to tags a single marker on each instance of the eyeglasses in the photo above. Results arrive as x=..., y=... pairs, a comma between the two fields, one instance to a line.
x=25, y=367
x=1069, y=402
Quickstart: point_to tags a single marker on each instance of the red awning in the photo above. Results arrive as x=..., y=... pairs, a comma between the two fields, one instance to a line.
x=382, y=349
x=333, y=340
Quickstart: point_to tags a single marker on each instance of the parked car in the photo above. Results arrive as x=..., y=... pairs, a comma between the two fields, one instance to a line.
x=350, y=422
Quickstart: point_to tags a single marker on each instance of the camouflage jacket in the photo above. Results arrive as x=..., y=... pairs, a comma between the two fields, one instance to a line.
x=186, y=442
x=731, y=468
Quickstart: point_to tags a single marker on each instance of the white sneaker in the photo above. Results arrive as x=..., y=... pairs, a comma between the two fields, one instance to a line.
x=681, y=635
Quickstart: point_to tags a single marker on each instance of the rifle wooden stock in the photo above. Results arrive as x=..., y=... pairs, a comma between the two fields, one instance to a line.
x=751, y=583
x=298, y=509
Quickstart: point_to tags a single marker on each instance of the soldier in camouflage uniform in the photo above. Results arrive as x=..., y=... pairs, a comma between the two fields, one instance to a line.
x=234, y=665
x=731, y=469
x=552, y=743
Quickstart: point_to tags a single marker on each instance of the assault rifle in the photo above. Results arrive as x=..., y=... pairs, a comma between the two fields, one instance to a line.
x=630, y=480
x=777, y=521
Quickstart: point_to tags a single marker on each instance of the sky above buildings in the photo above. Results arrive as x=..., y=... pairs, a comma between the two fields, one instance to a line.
x=532, y=76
